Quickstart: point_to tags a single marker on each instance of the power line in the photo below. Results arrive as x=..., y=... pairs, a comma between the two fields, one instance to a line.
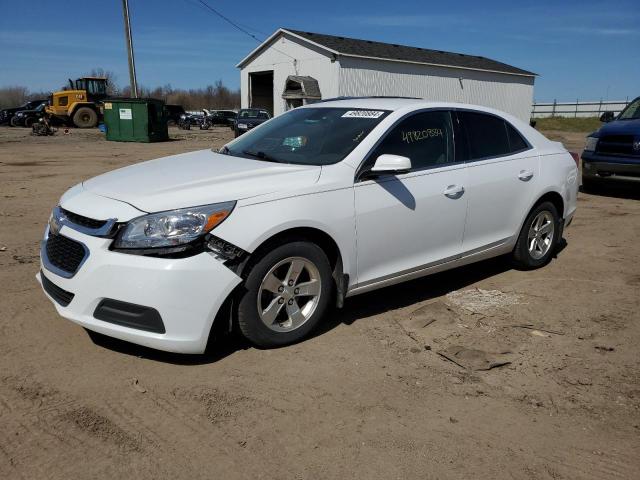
x=228, y=20
x=241, y=29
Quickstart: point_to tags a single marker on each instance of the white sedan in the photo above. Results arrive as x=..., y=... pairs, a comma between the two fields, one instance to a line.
x=321, y=203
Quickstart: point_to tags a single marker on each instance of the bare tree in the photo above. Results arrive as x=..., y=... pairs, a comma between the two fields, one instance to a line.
x=112, y=84
x=216, y=96
x=13, y=96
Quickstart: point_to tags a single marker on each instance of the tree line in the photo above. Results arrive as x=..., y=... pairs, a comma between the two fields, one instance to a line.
x=216, y=96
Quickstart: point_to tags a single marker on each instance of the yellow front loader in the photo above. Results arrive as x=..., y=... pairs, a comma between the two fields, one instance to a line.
x=80, y=104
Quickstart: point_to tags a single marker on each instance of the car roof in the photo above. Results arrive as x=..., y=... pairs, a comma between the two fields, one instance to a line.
x=395, y=103
x=407, y=105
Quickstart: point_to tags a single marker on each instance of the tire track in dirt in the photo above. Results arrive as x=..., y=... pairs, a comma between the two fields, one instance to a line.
x=52, y=421
x=595, y=465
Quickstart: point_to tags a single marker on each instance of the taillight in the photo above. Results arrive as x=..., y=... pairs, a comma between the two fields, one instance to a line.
x=576, y=158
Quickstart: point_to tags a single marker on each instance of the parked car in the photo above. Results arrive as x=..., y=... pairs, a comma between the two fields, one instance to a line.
x=187, y=120
x=323, y=202
x=26, y=118
x=613, y=152
x=174, y=112
x=7, y=114
x=223, y=117
x=249, y=118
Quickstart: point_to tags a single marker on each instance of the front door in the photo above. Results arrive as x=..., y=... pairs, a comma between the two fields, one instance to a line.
x=413, y=220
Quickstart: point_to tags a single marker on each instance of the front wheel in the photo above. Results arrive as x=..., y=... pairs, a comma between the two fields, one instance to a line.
x=85, y=117
x=287, y=292
x=538, y=238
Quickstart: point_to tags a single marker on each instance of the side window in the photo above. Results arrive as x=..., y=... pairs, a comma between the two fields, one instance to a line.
x=516, y=142
x=424, y=137
x=487, y=135
x=460, y=139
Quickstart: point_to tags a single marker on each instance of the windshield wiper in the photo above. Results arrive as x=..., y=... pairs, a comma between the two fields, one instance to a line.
x=261, y=156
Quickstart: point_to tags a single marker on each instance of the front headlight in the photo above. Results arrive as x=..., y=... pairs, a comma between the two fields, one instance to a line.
x=242, y=125
x=19, y=114
x=591, y=144
x=172, y=228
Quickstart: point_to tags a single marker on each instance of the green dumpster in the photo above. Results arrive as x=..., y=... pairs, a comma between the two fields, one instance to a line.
x=135, y=120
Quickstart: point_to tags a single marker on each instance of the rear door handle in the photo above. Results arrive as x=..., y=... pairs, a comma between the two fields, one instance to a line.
x=454, y=191
x=525, y=175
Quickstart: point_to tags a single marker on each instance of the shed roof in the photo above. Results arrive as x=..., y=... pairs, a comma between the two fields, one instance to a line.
x=353, y=47
x=298, y=86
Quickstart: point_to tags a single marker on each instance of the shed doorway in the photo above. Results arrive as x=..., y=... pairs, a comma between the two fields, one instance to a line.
x=261, y=90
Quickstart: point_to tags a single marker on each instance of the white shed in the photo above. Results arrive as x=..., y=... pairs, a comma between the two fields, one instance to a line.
x=292, y=68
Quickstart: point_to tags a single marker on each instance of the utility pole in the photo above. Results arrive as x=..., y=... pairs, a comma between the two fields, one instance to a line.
x=132, y=64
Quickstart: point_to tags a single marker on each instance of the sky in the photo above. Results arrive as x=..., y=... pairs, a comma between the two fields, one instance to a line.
x=583, y=50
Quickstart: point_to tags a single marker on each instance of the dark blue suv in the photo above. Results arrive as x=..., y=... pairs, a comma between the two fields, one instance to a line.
x=613, y=151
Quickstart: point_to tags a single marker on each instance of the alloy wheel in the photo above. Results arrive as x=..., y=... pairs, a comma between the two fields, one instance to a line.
x=541, y=233
x=289, y=294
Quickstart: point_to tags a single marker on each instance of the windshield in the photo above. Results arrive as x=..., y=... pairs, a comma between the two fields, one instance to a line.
x=254, y=114
x=632, y=112
x=309, y=136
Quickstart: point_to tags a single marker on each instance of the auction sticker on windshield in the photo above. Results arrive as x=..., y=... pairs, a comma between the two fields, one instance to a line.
x=363, y=114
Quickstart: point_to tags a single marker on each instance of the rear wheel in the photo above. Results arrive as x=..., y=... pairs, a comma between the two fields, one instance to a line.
x=590, y=185
x=29, y=121
x=85, y=117
x=287, y=292
x=538, y=238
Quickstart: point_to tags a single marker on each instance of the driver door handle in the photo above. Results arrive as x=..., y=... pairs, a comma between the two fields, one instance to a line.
x=525, y=175
x=454, y=191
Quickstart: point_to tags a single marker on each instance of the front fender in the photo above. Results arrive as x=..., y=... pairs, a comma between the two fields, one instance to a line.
x=331, y=212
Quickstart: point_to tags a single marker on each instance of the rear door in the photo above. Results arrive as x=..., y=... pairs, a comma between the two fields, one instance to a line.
x=408, y=221
x=503, y=170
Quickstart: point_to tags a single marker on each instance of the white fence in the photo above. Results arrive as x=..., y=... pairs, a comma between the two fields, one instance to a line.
x=577, y=108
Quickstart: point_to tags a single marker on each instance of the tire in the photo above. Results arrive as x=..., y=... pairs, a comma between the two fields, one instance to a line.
x=85, y=117
x=266, y=285
x=14, y=122
x=590, y=185
x=29, y=121
x=528, y=255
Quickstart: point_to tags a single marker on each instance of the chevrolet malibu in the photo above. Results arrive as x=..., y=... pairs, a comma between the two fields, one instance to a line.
x=321, y=203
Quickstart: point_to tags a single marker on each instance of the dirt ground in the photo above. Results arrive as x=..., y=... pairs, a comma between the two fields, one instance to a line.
x=371, y=396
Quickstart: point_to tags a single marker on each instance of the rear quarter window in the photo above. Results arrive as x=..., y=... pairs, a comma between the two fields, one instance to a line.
x=516, y=142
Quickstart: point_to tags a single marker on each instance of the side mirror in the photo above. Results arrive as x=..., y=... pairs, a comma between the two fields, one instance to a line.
x=391, y=164
x=606, y=117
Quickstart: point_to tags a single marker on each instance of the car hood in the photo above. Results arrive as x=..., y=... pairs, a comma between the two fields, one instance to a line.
x=251, y=121
x=199, y=178
x=621, y=127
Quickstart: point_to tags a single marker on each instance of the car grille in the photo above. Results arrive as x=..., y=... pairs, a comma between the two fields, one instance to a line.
x=58, y=294
x=616, y=145
x=83, y=221
x=64, y=253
